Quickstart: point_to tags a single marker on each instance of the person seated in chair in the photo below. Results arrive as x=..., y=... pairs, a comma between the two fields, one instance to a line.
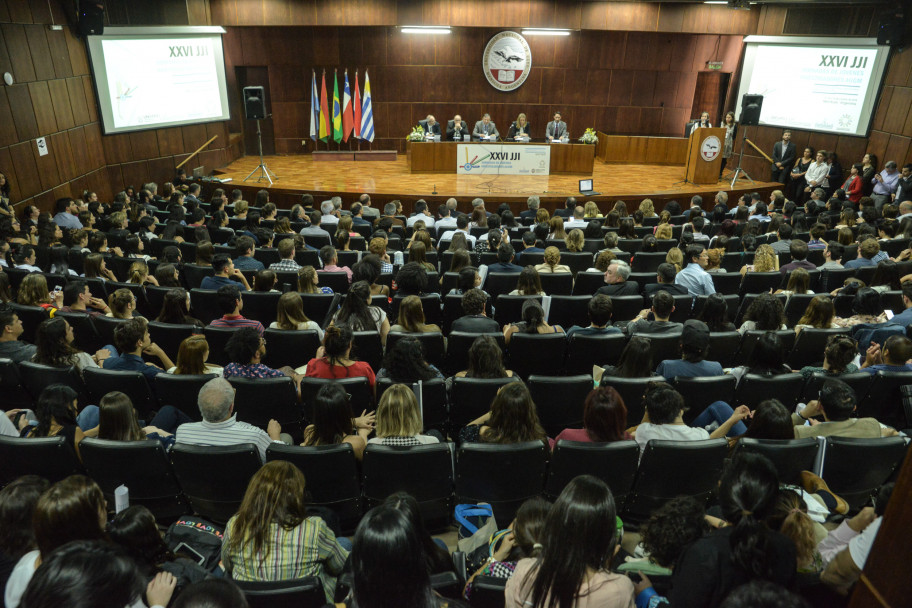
x=665, y=281
x=225, y=274
x=600, y=310
x=530, y=244
x=894, y=357
x=505, y=257
x=132, y=340
x=11, y=347
x=246, y=349
x=694, y=347
x=475, y=320
x=662, y=307
x=616, y=279
x=430, y=125
x=230, y=303
x=458, y=129
x=836, y=403
x=694, y=276
x=245, y=259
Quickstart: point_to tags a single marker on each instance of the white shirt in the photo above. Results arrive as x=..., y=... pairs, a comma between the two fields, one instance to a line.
x=674, y=432
x=446, y=222
x=860, y=546
x=575, y=224
x=427, y=219
x=19, y=578
x=817, y=172
x=448, y=236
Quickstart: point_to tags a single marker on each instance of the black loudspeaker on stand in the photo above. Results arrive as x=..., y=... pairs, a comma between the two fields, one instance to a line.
x=91, y=18
x=255, y=109
x=750, y=117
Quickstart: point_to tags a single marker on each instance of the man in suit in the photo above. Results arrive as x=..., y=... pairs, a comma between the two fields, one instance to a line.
x=475, y=320
x=485, y=127
x=457, y=128
x=783, y=157
x=556, y=128
x=530, y=244
x=616, y=280
x=430, y=125
x=534, y=203
x=567, y=211
x=665, y=275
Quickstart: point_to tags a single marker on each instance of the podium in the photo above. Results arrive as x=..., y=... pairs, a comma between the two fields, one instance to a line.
x=704, y=155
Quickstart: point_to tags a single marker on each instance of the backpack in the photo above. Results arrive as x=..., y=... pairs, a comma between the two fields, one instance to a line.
x=197, y=539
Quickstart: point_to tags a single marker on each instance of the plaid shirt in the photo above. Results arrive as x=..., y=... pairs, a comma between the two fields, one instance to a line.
x=310, y=549
x=286, y=265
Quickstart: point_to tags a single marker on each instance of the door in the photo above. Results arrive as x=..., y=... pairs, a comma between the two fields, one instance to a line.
x=709, y=96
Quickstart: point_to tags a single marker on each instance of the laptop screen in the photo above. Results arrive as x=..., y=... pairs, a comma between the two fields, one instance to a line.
x=585, y=185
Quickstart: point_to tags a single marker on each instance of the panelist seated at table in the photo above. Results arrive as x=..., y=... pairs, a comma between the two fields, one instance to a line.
x=456, y=128
x=519, y=129
x=485, y=128
x=430, y=125
x=556, y=129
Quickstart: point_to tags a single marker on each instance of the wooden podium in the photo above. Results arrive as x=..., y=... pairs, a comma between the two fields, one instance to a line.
x=704, y=155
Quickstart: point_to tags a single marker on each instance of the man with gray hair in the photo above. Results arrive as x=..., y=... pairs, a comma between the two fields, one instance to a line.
x=220, y=426
x=329, y=219
x=533, y=202
x=389, y=211
x=885, y=184
x=478, y=202
x=616, y=280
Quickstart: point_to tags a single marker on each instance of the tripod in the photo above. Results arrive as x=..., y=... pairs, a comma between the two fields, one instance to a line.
x=739, y=170
x=265, y=173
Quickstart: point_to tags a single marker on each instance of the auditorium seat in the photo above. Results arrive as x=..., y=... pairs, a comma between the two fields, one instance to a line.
x=261, y=306
x=48, y=457
x=731, y=299
x=760, y=282
x=432, y=344
x=497, y=283
x=430, y=305
x=143, y=467
x=810, y=344
x=304, y=592
x=458, y=345
x=883, y=400
x=204, y=305
x=647, y=261
x=31, y=317
x=488, y=591
x=170, y=336
x=587, y=283
x=615, y=463
x=568, y=311
x=361, y=395
x=855, y=468
x=259, y=400
x=368, y=347
x=99, y=382
x=423, y=471
x=557, y=283
x=669, y=469
x=433, y=402
x=36, y=376
x=625, y=308
x=559, y=400
x=832, y=278
x=754, y=388
x=217, y=338
x=84, y=333
x=578, y=261
x=293, y=348
x=332, y=477
x=663, y=346
x=181, y=391
x=790, y=456
x=584, y=351
x=702, y=391
x=724, y=347
x=15, y=395
x=316, y=306
x=503, y=476
x=471, y=398
x=194, y=275
x=631, y=391
x=537, y=354
x=215, y=478
x=750, y=338
x=337, y=281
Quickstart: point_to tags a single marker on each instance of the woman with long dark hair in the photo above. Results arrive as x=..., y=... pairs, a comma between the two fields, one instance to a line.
x=54, y=346
x=767, y=358
x=579, y=540
x=533, y=322
x=117, y=421
x=411, y=317
x=332, y=421
x=357, y=312
x=635, y=360
x=175, y=306
x=604, y=418
x=405, y=363
x=512, y=419
x=485, y=360
x=334, y=360
x=438, y=558
x=273, y=537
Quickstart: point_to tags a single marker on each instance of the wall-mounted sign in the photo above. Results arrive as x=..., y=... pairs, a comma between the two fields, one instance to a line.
x=42, y=146
x=507, y=61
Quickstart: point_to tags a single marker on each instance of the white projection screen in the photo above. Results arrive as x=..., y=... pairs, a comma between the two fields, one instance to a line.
x=814, y=84
x=153, y=77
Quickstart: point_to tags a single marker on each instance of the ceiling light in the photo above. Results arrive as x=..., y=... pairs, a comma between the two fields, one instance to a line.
x=545, y=31
x=419, y=29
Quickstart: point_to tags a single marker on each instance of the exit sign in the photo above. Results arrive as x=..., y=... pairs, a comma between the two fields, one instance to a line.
x=713, y=65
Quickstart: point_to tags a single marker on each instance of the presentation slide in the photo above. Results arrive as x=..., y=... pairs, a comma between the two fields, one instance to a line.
x=814, y=85
x=158, y=77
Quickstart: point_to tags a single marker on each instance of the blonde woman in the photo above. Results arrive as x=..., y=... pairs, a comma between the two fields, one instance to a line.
x=591, y=210
x=663, y=232
x=122, y=304
x=715, y=260
x=139, y=274
x=192, y=357
x=398, y=419
x=575, y=240
x=542, y=216
x=675, y=256
x=411, y=317
x=765, y=260
x=552, y=262
x=647, y=208
x=309, y=281
x=290, y=315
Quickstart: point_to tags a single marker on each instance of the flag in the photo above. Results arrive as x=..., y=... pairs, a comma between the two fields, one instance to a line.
x=337, y=111
x=367, y=116
x=314, y=108
x=324, y=111
x=346, y=110
x=356, y=106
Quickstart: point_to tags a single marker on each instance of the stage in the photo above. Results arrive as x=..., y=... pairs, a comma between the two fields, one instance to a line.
x=388, y=180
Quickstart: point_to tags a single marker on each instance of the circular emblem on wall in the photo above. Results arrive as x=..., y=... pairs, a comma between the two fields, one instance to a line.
x=710, y=148
x=507, y=61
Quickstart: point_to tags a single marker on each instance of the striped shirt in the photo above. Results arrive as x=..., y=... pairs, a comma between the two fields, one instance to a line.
x=236, y=322
x=310, y=549
x=226, y=432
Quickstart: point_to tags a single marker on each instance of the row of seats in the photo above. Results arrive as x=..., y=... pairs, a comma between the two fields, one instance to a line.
x=559, y=399
x=212, y=480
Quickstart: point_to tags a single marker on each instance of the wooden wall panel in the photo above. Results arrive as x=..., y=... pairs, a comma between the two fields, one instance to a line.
x=60, y=101
x=7, y=128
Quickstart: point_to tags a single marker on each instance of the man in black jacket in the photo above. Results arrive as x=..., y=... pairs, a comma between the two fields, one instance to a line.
x=665, y=275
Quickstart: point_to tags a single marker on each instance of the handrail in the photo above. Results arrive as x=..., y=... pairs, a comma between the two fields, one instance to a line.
x=198, y=150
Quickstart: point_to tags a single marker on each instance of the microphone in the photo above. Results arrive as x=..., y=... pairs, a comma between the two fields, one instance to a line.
x=435, y=189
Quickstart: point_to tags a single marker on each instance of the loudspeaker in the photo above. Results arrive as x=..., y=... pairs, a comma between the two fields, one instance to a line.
x=254, y=103
x=91, y=18
x=750, y=110
x=890, y=31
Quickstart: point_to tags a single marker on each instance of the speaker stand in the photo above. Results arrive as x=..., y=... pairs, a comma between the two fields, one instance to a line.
x=740, y=170
x=264, y=172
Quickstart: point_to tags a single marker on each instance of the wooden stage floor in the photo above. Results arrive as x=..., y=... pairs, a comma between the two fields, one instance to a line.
x=301, y=173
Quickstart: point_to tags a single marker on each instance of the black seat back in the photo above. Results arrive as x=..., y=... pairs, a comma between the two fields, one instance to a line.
x=790, y=456
x=557, y=283
x=170, y=336
x=259, y=400
x=631, y=391
x=702, y=391
x=290, y=347
x=809, y=346
x=537, y=353
x=502, y=475
x=15, y=395
x=181, y=391
x=215, y=478
x=99, y=382
x=884, y=399
x=458, y=345
x=48, y=457
x=584, y=351
x=754, y=388
x=261, y=306
x=36, y=376
x=304, y=592
x=615, y=463
x=855, y=468
x=471, y=397
x=217, y=338
x=431, y=344
x=559, y=400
